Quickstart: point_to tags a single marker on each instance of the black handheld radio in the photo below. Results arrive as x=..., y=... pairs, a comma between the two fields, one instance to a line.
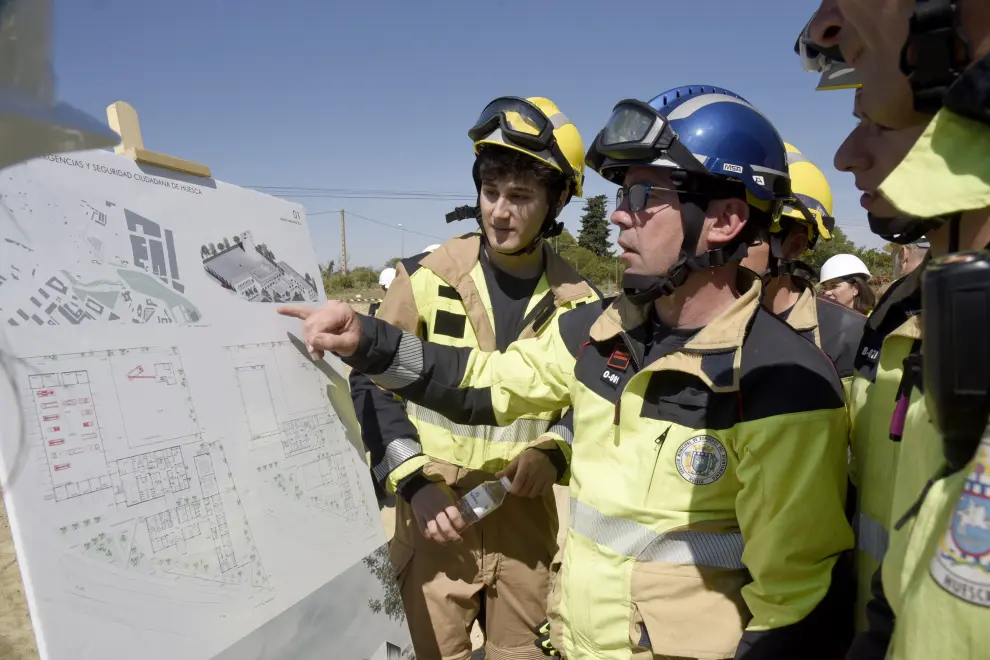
x=956, y=351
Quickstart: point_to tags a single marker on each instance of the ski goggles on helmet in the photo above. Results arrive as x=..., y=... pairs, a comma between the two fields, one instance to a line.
x=522, y=124
x=637, y=132
x=828, y=61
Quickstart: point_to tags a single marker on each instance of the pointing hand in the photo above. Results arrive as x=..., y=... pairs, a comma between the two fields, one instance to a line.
x=334, y=327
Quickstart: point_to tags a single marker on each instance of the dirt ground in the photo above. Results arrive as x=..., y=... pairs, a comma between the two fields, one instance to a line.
x=16, y=635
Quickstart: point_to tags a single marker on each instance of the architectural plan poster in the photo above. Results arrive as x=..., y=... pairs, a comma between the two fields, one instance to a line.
x=179, y=475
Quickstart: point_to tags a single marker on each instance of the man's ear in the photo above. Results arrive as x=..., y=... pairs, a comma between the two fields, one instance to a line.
x=797, y=242
x=727, y=217
x=561, y=202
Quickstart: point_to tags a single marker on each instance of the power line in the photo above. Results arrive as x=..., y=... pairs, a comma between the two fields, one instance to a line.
x=385, y=224
x=377, y=222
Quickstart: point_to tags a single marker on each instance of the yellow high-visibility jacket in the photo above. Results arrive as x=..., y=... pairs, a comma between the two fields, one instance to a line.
x=936, y=572
x=892, y=334
x=707, y=488
x=443, y=296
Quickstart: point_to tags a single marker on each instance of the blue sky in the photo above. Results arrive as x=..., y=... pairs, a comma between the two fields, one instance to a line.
x=378, y=95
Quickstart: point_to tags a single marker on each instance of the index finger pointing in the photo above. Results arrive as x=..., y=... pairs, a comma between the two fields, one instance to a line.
x=298, y=311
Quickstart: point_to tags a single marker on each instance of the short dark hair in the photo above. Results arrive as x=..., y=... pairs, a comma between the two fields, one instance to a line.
x=495, y=163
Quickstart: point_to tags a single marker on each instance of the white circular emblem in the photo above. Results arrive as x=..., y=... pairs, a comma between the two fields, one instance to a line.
x=701, y=460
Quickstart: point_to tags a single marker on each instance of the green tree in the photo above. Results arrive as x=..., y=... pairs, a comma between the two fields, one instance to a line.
x=595, y=228
x=393, y=262
x=364, y=277
x=605, y=272
x=825, y=250
x=380, y=565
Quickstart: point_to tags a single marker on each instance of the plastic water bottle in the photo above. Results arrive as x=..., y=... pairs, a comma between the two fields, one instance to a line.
x=482, y=500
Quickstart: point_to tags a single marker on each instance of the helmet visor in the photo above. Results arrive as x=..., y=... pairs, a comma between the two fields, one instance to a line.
x=637, y=134
x=634, y=131
x=520, y=121
x=632, y=124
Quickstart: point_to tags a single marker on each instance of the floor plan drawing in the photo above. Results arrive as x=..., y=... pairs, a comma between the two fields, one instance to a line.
x=324, y=483
x=176, y=513
x=294, y=433
x=283, y=395
x=85, y=403
x=120, y=428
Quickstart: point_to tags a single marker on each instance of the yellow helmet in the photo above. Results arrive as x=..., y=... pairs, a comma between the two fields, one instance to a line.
x=537, y=127
x=810, y=187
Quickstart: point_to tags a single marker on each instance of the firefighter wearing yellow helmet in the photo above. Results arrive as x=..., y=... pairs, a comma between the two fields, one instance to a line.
x=790, y=291
x=482, y=290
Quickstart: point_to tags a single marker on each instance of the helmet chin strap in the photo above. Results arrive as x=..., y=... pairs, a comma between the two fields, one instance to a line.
x=645, y=289
x=777, y=266
x=902, y=230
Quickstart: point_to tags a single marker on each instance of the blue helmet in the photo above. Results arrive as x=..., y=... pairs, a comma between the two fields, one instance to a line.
x=692, y=126
x=718, y=145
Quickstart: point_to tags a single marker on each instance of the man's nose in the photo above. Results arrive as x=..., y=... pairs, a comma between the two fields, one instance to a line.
x=621, y=217
x=502, y=208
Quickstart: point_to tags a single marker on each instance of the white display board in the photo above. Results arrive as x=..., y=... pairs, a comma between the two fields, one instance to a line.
x=183, y=482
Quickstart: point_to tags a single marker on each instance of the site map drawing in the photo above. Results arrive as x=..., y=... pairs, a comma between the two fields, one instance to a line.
x=186, y=485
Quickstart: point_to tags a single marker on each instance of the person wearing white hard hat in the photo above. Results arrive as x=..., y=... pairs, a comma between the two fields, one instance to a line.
x=385, y=278
x=384, y=281
x=845, y=279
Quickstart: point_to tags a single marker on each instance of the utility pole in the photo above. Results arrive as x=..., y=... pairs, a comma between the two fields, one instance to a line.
x=403, y=250
x=343, y=243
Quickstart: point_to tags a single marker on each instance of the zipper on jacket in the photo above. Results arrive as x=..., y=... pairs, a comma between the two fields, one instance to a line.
x=632, y=352
x=662, y=438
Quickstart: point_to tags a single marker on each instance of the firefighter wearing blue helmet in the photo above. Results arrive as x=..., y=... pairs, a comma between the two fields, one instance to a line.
x=708, y=471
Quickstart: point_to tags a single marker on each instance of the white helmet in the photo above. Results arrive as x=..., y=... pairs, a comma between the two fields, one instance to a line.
x=431, y=248
x=843, y=265
x=386, y=277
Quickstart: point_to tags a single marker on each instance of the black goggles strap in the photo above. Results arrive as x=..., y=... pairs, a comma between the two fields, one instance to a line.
x=935, y=54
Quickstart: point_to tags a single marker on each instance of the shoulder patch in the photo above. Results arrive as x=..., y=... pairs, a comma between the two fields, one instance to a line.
x=959, y=564
x=702, y=460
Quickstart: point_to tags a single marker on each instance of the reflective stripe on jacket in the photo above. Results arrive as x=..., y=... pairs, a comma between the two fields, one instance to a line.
x=707, y=488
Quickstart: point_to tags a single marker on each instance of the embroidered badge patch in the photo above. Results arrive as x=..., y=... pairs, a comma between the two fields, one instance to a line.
x=961, y=564
x=701, y=460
